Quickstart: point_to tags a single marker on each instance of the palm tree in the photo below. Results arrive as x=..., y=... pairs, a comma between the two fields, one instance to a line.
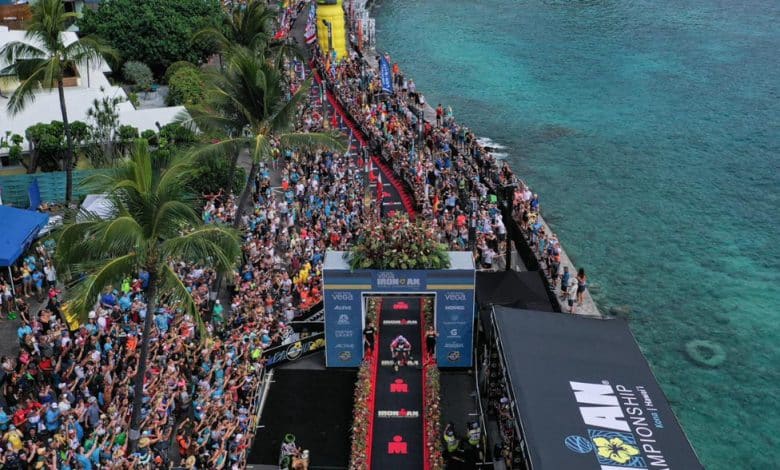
x=248, y=26
x=44, y=59
x=247, y=103
x=155, y=223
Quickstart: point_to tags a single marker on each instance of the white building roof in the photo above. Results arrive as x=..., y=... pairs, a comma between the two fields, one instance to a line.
x=94, y=86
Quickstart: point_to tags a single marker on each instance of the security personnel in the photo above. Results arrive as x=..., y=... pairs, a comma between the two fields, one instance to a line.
x=450, y=439
x=474, y=434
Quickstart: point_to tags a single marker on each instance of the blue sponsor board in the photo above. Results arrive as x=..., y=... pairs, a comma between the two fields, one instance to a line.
x=455, y=325
x=343, y=303
x=343, y=328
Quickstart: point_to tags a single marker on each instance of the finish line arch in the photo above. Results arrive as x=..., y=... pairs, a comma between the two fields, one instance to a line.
x=452, y=290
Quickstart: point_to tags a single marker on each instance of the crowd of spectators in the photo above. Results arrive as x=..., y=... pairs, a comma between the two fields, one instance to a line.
x=65, y=400
x=455, y=180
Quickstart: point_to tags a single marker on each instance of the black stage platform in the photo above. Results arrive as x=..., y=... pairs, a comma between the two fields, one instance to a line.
x=313, y=404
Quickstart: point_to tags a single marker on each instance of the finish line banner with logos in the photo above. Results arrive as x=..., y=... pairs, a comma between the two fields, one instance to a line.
x=344, y=289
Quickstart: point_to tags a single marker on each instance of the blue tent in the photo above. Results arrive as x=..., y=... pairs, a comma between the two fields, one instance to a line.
x=18, y=228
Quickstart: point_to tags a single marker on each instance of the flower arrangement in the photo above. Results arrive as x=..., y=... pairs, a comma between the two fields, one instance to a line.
x=398, y=243
x=433, y=417
x=432, y=400
x=427, y=308
x=374, y=305
x=361, y=426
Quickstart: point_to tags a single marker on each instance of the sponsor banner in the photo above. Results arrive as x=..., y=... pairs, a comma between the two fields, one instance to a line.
x=293, y=351
x=455, y=324
x=386, y=75
x=454, y=289
x=623, y=423
x=343, y=328
x=399, y=280
x=402, y=413
x=390, y=363
x=400, y=322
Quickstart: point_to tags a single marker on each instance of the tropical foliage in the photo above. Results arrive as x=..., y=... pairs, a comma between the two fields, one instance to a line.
x=48, y=145
x=246, y=105
x=175, y=67
x=249, y=25
x=155, y=222
x=44, y=60
x=185, y=87
x=155, y=32
x=138, y=74
x=398, y=243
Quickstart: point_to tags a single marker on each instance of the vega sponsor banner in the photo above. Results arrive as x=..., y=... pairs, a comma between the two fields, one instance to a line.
x=293, y=351
x=455, y=324
x=343, y=293
x=343, y=328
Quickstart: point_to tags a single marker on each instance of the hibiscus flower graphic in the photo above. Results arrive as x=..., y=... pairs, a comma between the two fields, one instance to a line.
x=615, y=449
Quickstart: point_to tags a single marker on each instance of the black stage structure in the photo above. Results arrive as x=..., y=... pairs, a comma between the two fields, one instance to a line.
x=312, y=403
x=576, y=393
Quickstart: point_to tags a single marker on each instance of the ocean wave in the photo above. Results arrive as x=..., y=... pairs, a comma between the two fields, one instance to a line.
x=488, y=142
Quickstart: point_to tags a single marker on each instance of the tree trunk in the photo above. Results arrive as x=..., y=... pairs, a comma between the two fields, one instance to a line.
x=245, y=195
x=68, y=164
x=138, y=386
x=33, y=167
x=232, y=171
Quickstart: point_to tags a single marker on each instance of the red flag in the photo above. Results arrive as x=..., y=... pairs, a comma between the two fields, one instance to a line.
x=379, y=192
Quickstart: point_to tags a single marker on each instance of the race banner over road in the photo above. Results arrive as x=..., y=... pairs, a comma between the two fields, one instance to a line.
x=344, y=290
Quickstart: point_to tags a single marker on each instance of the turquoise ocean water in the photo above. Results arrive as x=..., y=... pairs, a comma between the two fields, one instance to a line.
x=651, y=130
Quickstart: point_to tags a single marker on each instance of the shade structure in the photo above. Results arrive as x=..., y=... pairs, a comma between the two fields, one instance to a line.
x=18, y=228
x=585, y=396
x=512, y=289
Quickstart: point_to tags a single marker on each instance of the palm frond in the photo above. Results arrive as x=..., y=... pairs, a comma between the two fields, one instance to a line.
x=13, y=51
x=172, y=215
x=223, y=149
x=119, y=235
x=219, y=246
x=83, y=296
x=313, y=140
x=261, y=150
x=170, y=286
x=284, y=117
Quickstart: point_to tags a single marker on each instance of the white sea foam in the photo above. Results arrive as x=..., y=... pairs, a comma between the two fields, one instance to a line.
x=488, y=142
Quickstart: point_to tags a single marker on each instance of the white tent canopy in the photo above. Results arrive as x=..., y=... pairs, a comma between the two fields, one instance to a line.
x=98, y=205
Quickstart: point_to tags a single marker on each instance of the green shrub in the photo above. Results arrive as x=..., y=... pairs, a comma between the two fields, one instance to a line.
x=175, y=67
x=155, y=32
x=185, y=87
x=127, y=133
x=138, y=73
x=132, y=97
x=212, y=174
x=150, y=137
